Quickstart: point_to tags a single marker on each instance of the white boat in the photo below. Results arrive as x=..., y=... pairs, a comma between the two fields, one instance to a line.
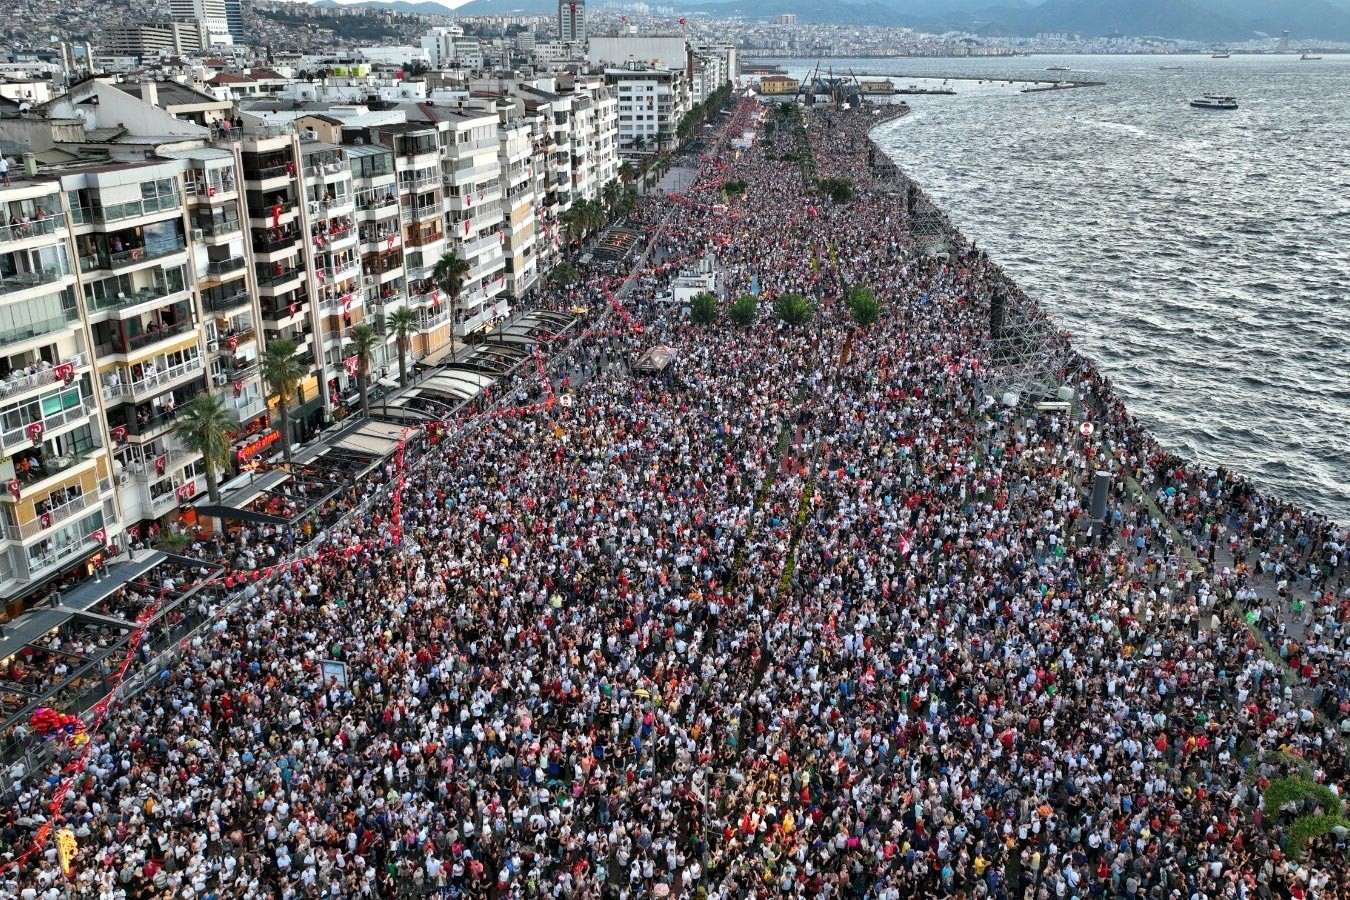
x=1220, y=55
x=1215, y=101
x=1058, y=69
x=1309, y=56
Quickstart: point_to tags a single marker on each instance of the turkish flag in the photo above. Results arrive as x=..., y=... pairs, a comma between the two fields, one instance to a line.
x=14, y=488
x=66, y=372
x=276, y=215
x=119, y=434
x=238, y=386
x=352, y=364
x=35, y=432
x=161, y=463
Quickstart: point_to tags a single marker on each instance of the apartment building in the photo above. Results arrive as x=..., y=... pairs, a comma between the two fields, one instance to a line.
x=651, y=103
x=59, y=507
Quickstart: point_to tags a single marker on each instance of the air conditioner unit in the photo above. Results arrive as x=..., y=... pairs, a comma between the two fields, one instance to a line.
x=368, y=280
x=198, y=234
x=313, y=207
x=221, y=379
x=213, y=346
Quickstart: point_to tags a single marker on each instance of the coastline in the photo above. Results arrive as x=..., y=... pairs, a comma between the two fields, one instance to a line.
x=1104, y=406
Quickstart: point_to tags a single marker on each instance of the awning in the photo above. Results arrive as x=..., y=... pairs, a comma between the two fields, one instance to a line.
x=379, y=439
x=220, y=511
x=91, y=592
x=436, y=357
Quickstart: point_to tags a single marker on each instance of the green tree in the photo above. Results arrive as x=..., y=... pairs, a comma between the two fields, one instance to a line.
x=449, y=274
x=402, y=323
x=840, y=190
x=363, y=343
x=745, y=310
x=564, y=274
x=613, y=196
x=626, y=171
x=204, y=427
x=703, y=308
x=862, y=302
x=283, y=371
x=794, y=309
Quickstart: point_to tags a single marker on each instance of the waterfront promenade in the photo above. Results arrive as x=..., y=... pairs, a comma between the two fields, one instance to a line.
x=802, y=615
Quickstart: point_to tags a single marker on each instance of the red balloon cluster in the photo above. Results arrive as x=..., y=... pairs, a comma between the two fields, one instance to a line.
x=50, y=723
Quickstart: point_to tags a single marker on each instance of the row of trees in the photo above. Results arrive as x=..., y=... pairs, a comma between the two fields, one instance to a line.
x=583, y=217
x=701, y=112
x=790, y=308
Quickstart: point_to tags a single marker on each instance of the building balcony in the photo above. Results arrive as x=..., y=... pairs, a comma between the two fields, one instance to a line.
x=242, y=409
x=278, y=284
x=19, y=436
x=56, y=514
x=35, y=566
x=138, y=343
x=218, y=268
x=152, y=294
x=11, y=234
x=22, y=281
x=18, y=384
x=233, y=301
x=123, y=258
x=339, y=272
x=40, y=329
x=125, y=388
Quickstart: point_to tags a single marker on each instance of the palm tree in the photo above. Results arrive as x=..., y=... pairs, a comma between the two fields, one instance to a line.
x=364, y=342
x=626, y=171
x=612, y=194
x=403, y=323
x=283, y=371
x=449, y=274
x=204, y=427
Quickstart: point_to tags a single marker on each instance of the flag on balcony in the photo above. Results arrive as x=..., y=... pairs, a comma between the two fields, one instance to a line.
x=276, y=215
x=161, y=463
x=66, y=372
x=238, y=386
x=290, y=310
x=346, y=304
x=14, y=487
x=352, y=364
x=34, y=431
x=46, y=520
x=99, y=535
x=389, y=242
x=119, y=434
x=234, y=342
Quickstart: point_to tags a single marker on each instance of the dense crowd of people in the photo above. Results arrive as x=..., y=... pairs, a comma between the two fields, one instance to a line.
x=801, y=615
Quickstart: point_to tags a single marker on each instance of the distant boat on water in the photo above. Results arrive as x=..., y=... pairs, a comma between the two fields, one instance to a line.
x=1220, y=55
x=1058, y=69
x=1309, y=56
x=1215, y=101
x=1171, y=68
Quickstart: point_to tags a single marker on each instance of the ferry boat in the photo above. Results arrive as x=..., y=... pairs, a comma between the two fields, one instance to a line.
x=1058, y=69
x=1214, y=101
x=1220, y=55
x=1309, y=56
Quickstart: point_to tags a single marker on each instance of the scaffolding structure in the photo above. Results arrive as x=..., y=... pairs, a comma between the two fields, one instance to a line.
x=927, y=224
x=1026, y=352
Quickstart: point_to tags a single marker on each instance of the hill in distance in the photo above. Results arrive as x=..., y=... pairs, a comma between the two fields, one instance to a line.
x=1197, y=20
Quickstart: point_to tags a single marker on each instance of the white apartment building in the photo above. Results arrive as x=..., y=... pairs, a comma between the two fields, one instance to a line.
x=448, y=48
x=651, y=103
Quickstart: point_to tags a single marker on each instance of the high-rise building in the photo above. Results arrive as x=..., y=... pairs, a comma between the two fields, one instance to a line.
x=211, y=16
x=572, y=21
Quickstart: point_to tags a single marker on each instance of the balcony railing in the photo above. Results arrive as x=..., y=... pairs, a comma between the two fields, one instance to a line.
x=19, y=436
x=158, y=381
x=21, y=281
x=225, y=266
x=22, y=231
x=116, y=212
x=142, y=254
x=147, y=338
x=241, y=409
x=267, y=172
x=17, y=384
x=288, y=275
x=150, y=294
x=275, y=245
x=39, y=329
x=74, y=548
x=54, y=516
x=420, y=240
x=220, y=304
x=338, y=272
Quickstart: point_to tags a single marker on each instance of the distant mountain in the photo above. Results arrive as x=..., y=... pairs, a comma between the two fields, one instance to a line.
x=507, y=8
x=1197, y=20
x=425, y=8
